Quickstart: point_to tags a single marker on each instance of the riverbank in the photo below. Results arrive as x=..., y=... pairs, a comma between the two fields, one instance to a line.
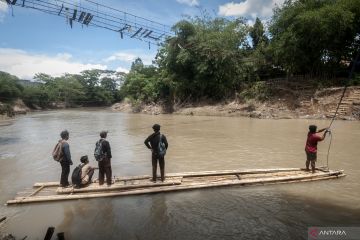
x=289, y=104
x=284, y=104
x=8, y=111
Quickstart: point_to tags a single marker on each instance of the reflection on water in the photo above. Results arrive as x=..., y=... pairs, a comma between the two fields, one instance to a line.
x=196, y=144
x=8, y=140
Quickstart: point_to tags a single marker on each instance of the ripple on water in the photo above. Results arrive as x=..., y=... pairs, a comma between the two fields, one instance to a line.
x=7, y=155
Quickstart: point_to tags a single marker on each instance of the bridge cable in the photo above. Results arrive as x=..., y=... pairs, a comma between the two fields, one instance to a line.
x=356, y=59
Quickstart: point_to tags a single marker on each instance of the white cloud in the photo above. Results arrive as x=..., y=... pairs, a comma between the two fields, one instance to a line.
x=121, y=69
x=3, y=6
x=250, y=8
x=121, y=56
x=129, y=56
x=189, y=2
x=3, y=10
x=25, y=65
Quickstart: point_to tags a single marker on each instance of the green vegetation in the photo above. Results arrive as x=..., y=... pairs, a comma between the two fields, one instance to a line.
x=217, y=59
x=90, y=88
x=9, y=88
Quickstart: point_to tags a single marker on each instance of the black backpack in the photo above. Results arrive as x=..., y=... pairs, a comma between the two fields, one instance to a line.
x=76, y=176
x=98, y=152
x=161, y=147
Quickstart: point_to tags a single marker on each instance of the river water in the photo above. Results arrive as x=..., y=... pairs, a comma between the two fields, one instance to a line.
x=195, y=144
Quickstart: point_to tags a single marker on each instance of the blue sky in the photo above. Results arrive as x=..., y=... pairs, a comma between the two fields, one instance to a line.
x=33, y=41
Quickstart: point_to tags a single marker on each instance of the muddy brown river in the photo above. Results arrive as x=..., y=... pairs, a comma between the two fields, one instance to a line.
x=195, y=144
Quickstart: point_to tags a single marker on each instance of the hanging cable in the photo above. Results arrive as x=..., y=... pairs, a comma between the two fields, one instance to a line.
x=101, y=16
x=356, y=59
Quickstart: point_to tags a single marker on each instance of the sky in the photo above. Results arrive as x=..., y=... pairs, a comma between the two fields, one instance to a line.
x=32, y=42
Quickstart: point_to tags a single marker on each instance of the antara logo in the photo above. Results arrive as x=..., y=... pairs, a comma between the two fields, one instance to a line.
x=332, y=233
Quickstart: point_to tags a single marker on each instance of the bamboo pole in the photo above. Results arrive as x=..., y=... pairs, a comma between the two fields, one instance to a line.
x=37, y=190
x=231, y=172
x=191, y=174
x=118, y=179
x=243, y=182
x=114, y=187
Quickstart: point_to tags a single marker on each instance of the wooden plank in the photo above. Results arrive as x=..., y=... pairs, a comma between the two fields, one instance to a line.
x=114, y=187
x=247, y=182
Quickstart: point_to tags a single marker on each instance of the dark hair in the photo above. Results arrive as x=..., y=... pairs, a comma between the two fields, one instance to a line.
x=64, y=134
x=103, y=134
x=84, y=159
x=156, y=127
x=312, y=128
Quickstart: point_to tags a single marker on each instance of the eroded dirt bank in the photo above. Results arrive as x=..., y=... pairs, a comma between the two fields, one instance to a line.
x=306, y=104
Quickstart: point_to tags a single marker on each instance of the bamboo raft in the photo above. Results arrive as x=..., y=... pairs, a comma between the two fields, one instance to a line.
x=135, y=185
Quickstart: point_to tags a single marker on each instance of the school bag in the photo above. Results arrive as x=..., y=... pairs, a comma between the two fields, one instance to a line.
x=161, y=147
x=57, y=153
x=98, y=152
x=76, y=176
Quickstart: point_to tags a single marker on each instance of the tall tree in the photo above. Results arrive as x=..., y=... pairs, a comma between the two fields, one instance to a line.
x=257, y=33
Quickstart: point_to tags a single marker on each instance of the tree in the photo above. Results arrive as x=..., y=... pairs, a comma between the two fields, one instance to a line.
x=205, y=58
x=137, y=65
x=9, y=88
x=257, y=33
x=142, y=83
x=314, y=37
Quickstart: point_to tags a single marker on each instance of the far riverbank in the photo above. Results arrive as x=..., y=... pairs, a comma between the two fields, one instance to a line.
x=288, y=104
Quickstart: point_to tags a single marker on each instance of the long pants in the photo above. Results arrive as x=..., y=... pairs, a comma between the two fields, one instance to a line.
x=154, y=159
x=105, y=169
x=65, y=170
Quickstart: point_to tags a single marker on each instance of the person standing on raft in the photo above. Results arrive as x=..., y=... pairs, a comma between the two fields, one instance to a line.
x=311, y=146
x=152, y=143
x=65, y=160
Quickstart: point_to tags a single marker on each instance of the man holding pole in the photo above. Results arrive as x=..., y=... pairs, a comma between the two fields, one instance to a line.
x=311, y=146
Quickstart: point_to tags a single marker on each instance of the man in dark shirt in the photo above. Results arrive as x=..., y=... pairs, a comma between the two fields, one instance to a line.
x=152, y=142
x=311, y=146
x=105, y=162
x=65, y=160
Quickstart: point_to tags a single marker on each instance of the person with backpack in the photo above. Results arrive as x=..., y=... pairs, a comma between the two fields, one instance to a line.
x=102, y=154
x=158, y=145
x=311, y=146
x=83, y=173
x=64, y=159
